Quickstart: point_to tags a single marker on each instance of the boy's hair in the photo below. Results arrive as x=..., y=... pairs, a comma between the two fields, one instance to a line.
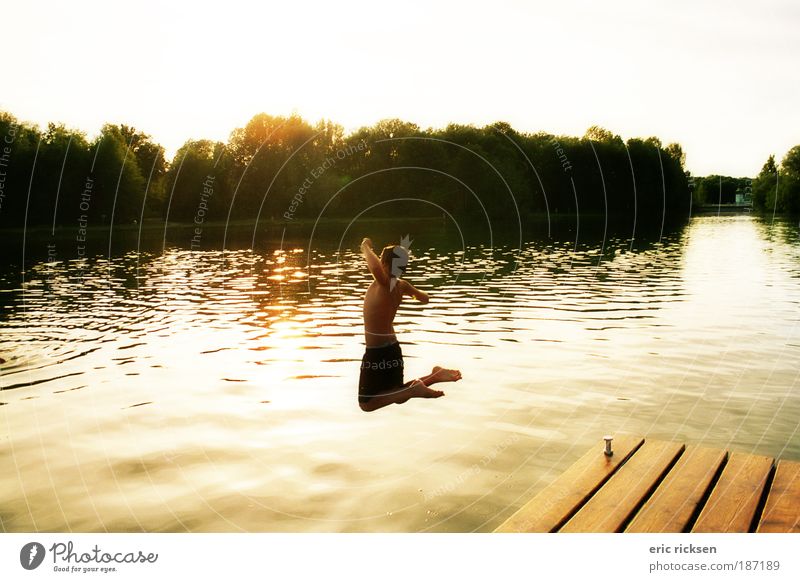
x=387, y=254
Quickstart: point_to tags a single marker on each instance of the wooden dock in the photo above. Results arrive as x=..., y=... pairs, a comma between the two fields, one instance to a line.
x=658, y=486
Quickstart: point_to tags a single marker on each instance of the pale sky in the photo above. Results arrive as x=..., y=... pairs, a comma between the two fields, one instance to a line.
x=721, y=78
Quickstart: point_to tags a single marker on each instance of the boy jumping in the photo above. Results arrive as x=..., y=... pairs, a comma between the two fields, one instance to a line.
x=381, y=381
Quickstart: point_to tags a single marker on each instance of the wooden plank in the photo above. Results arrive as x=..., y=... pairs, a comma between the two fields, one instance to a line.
x=622, y=495
x=677, y=498
x=782, y=511
x=734, y=499
x=563, y=497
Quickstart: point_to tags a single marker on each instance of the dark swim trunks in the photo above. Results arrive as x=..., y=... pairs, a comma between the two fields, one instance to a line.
x=381, y=371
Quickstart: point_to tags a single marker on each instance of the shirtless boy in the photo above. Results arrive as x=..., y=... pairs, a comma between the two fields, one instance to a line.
x=381, y=381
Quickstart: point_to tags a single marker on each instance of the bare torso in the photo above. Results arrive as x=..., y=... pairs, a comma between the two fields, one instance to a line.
x=380, y=307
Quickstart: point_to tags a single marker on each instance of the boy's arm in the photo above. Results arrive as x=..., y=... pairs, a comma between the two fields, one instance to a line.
x=408, y=289
x=374, y=263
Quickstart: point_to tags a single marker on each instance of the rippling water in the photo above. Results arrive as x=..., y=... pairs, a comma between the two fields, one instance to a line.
x=174, y=390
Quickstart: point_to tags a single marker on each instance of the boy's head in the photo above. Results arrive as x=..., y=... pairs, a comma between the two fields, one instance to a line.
x=394, y=259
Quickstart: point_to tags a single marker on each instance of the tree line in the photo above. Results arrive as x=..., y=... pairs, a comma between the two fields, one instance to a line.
x=285, y=169
x=716, y=189
x=777, y=189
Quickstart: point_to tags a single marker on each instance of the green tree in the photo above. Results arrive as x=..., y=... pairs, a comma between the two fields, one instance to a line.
x=62, y=167
x=152, y=165
x=195, y=177
x=789, y=189
x=675, y=151
x=764, y=186
x=791, y=162
x=118, y=193
x=18, y=171
x=597, y=133
x=273, y=157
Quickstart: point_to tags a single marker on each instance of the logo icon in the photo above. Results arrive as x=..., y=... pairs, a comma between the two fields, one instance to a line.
x=400, y=260
x=31, y=555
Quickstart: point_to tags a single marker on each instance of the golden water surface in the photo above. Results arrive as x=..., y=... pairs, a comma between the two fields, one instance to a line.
x=216, y=391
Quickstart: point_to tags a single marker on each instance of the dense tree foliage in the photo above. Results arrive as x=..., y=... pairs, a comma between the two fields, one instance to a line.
x=778, y=189
x=58, y=176
x=283, y=168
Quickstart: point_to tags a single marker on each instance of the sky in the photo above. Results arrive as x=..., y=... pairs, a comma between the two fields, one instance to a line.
x=721, y=78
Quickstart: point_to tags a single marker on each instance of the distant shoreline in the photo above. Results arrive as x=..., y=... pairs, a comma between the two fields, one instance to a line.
x=151, y=225
x=707, y=209
x=155, y=224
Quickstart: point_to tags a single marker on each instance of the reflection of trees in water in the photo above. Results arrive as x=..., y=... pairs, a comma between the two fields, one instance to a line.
x=438, y=253
x=780, y=228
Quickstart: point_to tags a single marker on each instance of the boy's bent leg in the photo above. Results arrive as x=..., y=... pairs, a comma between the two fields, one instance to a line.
x=415, y=389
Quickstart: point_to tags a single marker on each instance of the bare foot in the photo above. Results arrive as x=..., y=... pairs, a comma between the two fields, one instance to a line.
x=418, y=389
x=439, y=374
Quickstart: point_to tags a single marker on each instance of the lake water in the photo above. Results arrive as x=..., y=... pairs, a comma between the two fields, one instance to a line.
x=176, y=389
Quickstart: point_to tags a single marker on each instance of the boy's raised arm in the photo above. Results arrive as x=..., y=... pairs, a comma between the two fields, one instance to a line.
x=374, y=263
